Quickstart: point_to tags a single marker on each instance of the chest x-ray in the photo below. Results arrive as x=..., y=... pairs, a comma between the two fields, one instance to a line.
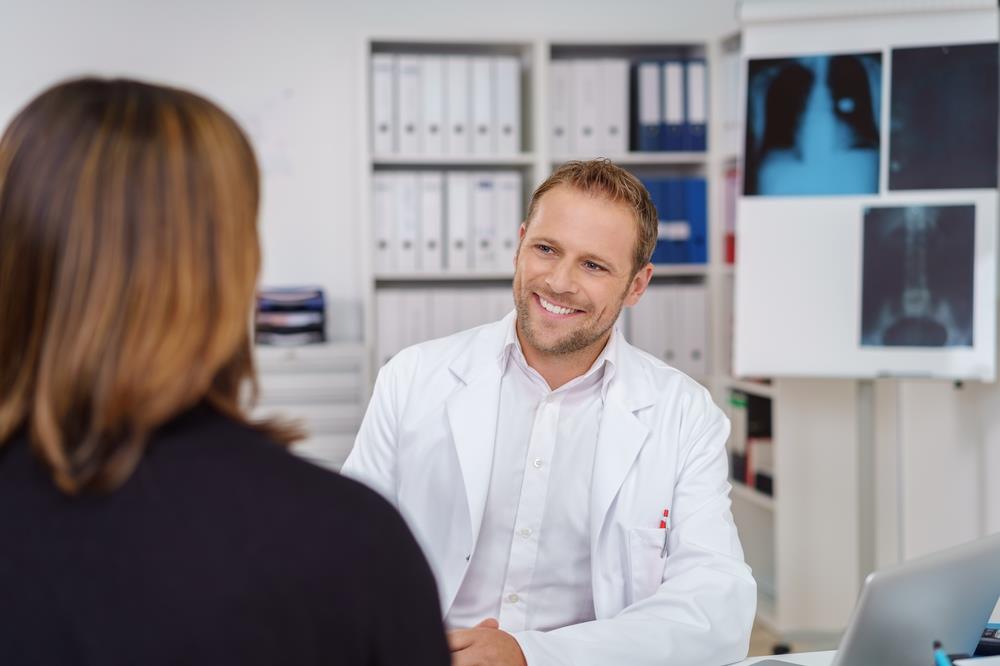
x=813, y=125
x=917, y=280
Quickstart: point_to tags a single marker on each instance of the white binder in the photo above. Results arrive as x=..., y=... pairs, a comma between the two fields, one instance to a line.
x=431, y=221
x=586, y=107
x=483, y=116
x=484, y=223
x=408, y=119
x=458, y=256
x=407, y=223
x=650, y=98
x=387, y=324
x=697, y=93
x=693, y=323
x=645, y=322
x=501, y=301
x=509, y=215
x=444, y=313
x=614, y=106
x=471, y=307
x=507, y=70
x=670, y=325
x=384, y=221
x=458, y=110
x=432, y=100
x=414, y=317
x=561, y=107
x=383, y=103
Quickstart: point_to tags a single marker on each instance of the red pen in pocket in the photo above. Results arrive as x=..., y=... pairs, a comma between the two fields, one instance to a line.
x=665, y=526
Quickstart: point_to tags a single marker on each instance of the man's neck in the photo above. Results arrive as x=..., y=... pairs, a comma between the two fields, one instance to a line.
x=560, y=369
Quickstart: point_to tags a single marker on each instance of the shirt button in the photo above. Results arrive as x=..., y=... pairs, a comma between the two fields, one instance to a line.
x=537, y=463
x=513, y=598
x=526, y=532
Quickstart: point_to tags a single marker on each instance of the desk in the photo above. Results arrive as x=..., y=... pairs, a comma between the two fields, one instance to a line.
x=799, y=659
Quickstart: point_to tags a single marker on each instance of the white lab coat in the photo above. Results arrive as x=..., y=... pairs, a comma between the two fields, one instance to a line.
x=426, y=444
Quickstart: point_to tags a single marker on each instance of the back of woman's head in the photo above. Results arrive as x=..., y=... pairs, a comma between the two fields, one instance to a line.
x=128, y=261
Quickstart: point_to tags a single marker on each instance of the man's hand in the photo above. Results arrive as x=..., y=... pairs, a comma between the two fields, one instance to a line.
x=484, y=645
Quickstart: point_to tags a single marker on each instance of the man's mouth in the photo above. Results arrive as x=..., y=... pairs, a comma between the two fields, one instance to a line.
x=555, y=308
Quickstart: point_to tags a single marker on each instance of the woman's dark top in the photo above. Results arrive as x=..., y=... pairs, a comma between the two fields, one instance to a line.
x=222, y=548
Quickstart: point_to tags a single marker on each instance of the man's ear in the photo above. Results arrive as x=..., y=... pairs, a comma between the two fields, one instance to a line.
x=637, y=287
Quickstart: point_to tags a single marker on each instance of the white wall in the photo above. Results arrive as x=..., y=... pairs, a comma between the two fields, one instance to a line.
x=291, y=71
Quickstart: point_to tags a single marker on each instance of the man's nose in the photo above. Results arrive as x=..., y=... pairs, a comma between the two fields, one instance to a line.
x=561, y=279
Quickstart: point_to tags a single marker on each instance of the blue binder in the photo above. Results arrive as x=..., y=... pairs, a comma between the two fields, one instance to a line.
x=657, y=192
x=682, y=209
x=696, y=204
x=647, y=106
x=678, y=231
x=695, y=98
x=674, y=105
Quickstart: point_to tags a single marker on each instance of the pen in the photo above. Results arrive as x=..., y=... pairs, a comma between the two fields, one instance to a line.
x=940, y=658
x=665, y=526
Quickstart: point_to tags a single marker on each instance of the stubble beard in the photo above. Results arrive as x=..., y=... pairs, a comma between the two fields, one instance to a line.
x=575, y=341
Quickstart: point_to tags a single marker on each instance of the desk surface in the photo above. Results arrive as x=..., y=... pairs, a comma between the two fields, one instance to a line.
x=800, y=659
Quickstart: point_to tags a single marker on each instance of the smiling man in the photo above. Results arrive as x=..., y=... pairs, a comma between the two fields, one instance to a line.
x=569, y=490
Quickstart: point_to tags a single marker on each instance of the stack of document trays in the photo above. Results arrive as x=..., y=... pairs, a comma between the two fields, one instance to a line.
x=290, y=316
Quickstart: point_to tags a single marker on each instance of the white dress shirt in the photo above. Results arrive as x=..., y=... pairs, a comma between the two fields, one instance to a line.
x=531, y=567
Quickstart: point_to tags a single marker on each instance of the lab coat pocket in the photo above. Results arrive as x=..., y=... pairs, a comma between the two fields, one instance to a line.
x=645, y=545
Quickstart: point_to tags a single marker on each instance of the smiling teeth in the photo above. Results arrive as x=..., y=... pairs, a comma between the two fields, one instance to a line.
x=554, y=309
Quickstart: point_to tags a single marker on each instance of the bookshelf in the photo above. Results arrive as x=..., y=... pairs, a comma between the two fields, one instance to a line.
x=535, y=158
x=324, y=387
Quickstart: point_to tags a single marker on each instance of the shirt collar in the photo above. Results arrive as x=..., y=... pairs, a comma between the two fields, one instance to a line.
x=605, y=363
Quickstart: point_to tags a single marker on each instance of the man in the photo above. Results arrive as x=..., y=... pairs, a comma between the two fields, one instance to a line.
x=535, y=458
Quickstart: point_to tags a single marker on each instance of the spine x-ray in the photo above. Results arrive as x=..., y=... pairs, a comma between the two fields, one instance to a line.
x=917, y=280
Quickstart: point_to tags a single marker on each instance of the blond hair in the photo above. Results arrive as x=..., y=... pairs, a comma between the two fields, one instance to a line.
x=602, y=178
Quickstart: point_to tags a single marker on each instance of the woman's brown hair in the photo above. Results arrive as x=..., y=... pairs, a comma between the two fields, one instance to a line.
x=128, y=262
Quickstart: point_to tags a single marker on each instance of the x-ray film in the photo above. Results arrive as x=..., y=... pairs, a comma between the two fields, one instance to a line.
x=813, y=125
x=917, y=276
x=943, y=127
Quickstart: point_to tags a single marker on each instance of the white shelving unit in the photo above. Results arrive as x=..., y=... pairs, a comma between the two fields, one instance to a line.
x=322, y=387
x=537, y=159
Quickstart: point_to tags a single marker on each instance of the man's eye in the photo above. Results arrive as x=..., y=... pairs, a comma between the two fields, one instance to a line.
x=545, y=249
x=591, y=266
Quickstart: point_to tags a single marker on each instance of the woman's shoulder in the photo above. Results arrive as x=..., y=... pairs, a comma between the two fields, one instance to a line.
x=207, y=449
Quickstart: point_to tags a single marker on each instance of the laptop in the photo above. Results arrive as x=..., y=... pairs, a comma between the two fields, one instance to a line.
x=947, y=596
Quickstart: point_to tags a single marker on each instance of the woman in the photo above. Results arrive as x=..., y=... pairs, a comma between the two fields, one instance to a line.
x=143, y=518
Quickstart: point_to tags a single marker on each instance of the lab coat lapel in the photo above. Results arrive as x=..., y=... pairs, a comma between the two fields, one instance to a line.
x=472, y=415
x=620, y=439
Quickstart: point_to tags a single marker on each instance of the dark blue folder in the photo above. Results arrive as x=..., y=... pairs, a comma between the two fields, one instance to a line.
x=695, y=129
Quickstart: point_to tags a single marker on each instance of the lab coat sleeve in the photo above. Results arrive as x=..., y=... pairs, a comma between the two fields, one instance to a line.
x=703, y=610
x=373, y=460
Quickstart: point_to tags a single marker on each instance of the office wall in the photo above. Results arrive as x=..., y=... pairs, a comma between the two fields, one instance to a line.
x=291, y=71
